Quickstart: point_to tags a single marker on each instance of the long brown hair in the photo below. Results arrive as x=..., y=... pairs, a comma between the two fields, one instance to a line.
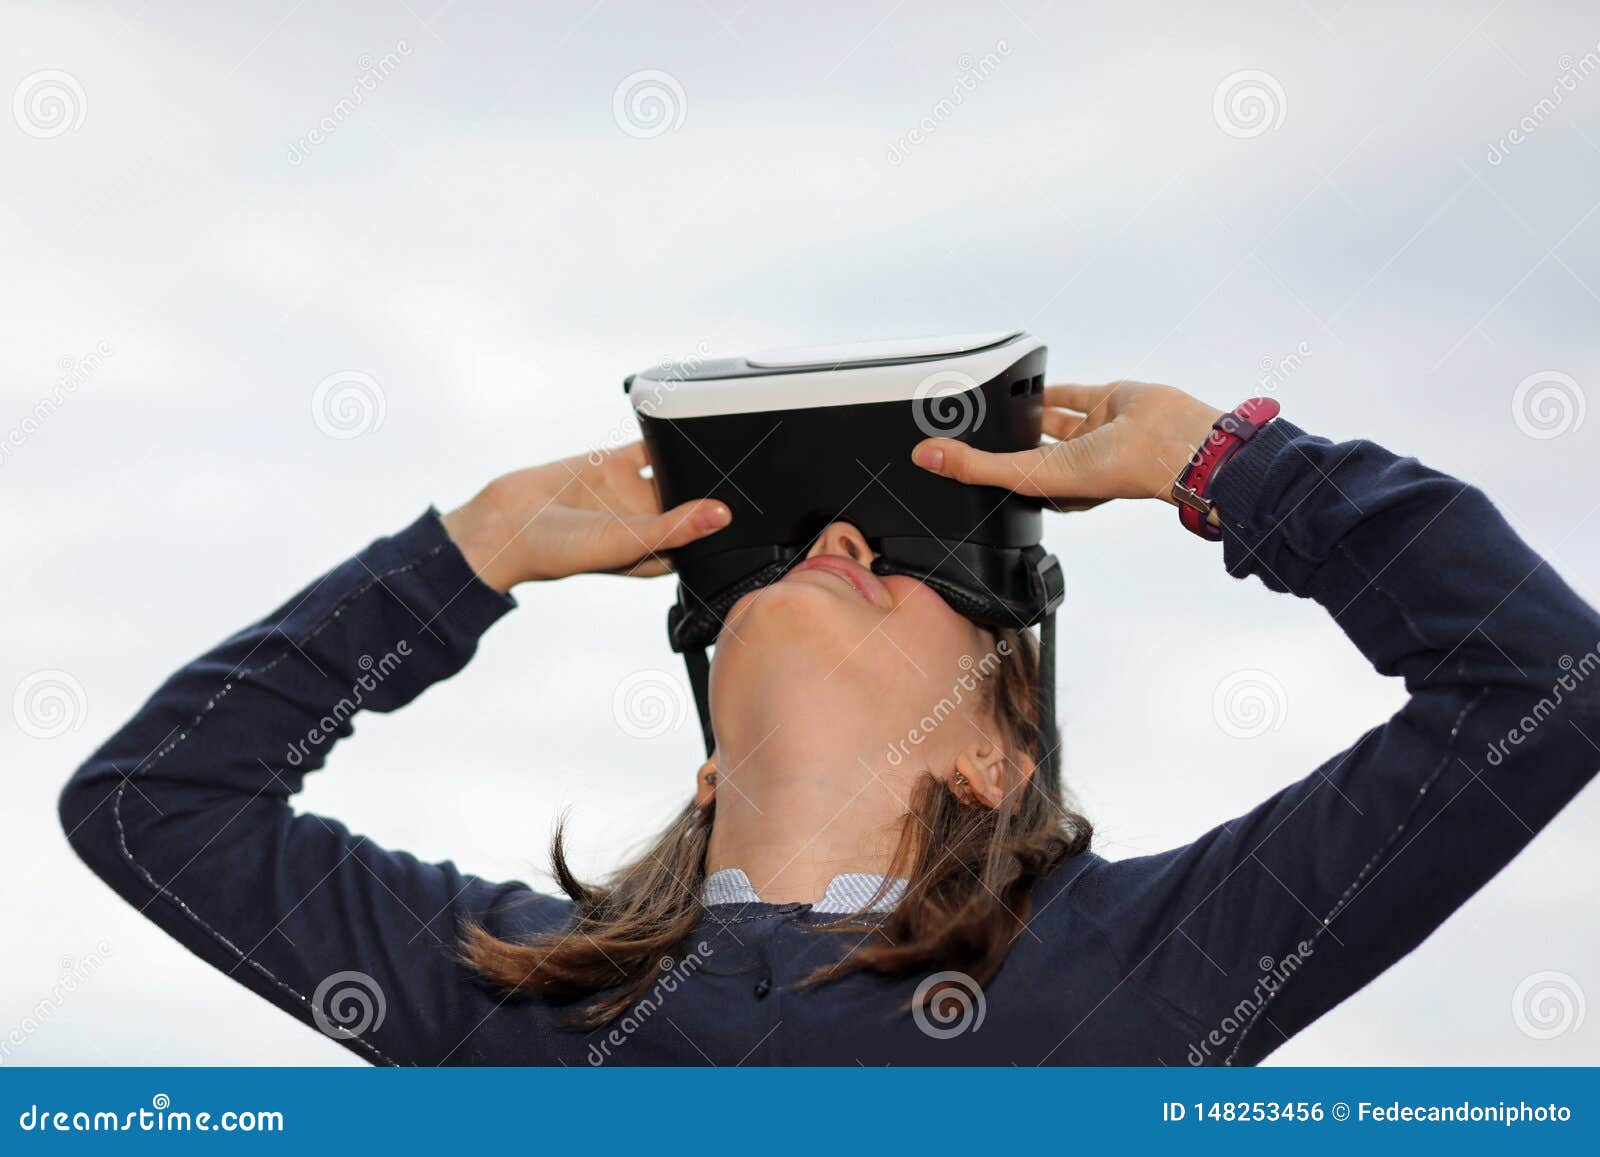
x=971, y=872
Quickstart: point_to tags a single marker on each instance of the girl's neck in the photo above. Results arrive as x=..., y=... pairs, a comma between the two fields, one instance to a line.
x=793, y=817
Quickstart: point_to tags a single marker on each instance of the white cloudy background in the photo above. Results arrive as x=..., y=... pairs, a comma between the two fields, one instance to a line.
x=483, y=238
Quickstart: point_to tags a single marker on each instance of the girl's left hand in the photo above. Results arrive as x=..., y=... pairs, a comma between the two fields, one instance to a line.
x=579, y=515
x=1123, y=440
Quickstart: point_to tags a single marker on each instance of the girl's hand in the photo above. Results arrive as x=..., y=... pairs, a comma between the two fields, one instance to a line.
x=576, y=516
x=1123, y=440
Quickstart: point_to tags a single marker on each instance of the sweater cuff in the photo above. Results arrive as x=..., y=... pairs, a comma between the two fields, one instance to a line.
x=1246, y=492
x=460, y=600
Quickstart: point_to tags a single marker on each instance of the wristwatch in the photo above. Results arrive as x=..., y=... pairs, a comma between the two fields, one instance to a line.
x=1229, y=434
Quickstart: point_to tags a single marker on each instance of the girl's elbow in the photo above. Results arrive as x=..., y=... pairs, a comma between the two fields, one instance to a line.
x=86, y=810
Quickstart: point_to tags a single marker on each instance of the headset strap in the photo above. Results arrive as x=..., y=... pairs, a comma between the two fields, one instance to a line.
x=700, y=683
x=1048, y=768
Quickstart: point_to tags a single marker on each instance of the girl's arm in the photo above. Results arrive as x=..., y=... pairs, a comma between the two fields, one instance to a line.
x=1268, y=921
x=186, y=811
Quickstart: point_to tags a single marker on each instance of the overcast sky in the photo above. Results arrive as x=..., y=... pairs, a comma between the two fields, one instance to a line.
x=477, y=218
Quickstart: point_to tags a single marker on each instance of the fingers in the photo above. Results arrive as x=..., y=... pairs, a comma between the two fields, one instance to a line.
x=647, y=567
x=685, y=524
x=1071, y=411
x=633, y=453
x=634, y=540
x=1076, y=505
x=1061, y=425
x=1071, y=396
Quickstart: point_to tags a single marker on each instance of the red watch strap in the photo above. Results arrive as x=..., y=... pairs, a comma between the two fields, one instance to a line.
x=1229, y=434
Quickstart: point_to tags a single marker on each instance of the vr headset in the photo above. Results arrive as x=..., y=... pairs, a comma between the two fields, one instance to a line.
x=792, y=440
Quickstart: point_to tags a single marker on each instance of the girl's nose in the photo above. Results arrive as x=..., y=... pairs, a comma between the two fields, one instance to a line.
x=842, y=539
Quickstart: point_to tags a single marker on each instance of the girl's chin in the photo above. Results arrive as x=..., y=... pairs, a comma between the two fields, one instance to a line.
x=797, y=618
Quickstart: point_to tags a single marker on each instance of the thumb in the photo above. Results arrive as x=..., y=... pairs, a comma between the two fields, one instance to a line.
x=1076, y=468
x=1022, y=471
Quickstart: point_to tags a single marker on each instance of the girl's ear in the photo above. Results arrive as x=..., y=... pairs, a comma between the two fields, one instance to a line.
x=705, y=783
x=986, y=775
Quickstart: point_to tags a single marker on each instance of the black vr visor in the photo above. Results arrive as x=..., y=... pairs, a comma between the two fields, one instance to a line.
x=792, y=440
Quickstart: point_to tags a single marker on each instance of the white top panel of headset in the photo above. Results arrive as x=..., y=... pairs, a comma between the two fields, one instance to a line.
x=809, y=377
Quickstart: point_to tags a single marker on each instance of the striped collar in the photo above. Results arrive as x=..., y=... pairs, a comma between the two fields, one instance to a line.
x=848, y=892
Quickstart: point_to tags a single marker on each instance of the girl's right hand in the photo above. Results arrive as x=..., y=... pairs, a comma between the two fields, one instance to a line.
x=588, y=513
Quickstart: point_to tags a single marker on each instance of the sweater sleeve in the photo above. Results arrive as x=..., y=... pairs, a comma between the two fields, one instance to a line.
x=186, y=811
x=1270, y=920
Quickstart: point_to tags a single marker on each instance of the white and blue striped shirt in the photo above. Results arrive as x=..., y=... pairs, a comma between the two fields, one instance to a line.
x=846, y=893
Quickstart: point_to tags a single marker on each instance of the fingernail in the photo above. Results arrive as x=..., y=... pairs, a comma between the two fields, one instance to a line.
x=713, y=517
x=928, y=457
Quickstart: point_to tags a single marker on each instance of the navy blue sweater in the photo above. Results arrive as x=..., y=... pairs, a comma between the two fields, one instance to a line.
x=1214, y=952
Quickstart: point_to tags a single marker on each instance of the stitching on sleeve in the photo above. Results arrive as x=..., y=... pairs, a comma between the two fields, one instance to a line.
x=205, y=712
x=1355, y=885
x=1399, y=608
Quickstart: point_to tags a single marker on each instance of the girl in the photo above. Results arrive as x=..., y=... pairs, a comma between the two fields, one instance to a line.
x=834, y=893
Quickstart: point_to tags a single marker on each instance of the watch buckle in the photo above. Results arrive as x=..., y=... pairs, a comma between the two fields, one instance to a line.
x=1184, y=496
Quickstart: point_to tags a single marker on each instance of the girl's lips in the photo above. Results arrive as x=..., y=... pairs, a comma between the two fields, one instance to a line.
x=851, y=572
